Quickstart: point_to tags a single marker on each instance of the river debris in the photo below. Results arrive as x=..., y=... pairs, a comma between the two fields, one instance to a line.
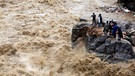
x=108, y=9
x=129, y=4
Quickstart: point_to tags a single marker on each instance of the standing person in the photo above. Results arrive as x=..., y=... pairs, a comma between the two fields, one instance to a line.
x=114, y=29
x=100, y=22
x=106, y=28
x=93, y=19
x=120, y=35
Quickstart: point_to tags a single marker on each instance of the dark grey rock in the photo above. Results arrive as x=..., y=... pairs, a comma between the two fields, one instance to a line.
x=97, y=42
x=111, y=49
x=83, y=20
x=78, y=30
x=120, y=49
x=131, y=37
x=133, y=40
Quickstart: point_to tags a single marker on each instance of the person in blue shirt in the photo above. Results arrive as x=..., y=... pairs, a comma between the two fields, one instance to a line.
x=115, y=29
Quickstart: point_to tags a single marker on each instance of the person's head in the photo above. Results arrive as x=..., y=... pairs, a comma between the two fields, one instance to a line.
x=99, y=14
x=93, y=13
x=115, y=23
x=112, y=20
x=111, y=23
x=106, y=21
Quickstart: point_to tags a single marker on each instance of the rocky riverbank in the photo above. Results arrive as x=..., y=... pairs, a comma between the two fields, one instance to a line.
x=35, y=39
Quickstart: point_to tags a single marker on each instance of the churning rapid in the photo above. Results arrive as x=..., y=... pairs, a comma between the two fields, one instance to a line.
x=35, y=39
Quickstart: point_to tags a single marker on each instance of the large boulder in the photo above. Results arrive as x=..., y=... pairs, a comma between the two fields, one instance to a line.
x=128, y=29
x=133, y=40
x=78, y=31
x=109, y=47
x=119, y=49
x=130, y=36
x=93, y=43
x=84, y=29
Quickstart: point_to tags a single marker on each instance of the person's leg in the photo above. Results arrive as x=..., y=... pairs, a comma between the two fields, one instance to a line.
x=114, y=35
x=99, y=24
x=110, y=31
x=92, y=22
x=119, y=38
x=95, y=22
x=106, y=31
x=120, y=35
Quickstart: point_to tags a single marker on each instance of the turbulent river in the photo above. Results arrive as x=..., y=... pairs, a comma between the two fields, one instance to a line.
x=35, y=39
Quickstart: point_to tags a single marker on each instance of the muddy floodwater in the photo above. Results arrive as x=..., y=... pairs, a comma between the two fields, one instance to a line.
x=35, y=39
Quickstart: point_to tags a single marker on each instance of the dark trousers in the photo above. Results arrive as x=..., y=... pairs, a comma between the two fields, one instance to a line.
x=93, y=22
x=114, y=34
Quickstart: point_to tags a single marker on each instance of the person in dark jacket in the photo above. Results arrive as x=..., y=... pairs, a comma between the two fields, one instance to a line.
x=106, y=28
x=110, y=28
x=120, y=35
x=93, y=19
x=114, y=29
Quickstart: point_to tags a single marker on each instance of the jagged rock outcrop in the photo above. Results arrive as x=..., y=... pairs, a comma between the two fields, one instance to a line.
x=110, y=48
x=84, y=29
x=79, y=30
x=131, y=37
x=94, y=42
x=119, y=49
x=130, y=32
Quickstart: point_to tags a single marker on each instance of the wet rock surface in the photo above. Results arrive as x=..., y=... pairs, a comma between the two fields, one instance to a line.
x=96, y=42
x=129, y=29
x=111, y=49
x=121, y=49
x=106, y=47
x=79, y=30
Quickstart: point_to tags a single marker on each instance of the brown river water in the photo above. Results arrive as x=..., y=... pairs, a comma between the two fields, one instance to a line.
x=35, y=39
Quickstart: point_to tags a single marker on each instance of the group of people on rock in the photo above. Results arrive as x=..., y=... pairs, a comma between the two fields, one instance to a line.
x=110, y=27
